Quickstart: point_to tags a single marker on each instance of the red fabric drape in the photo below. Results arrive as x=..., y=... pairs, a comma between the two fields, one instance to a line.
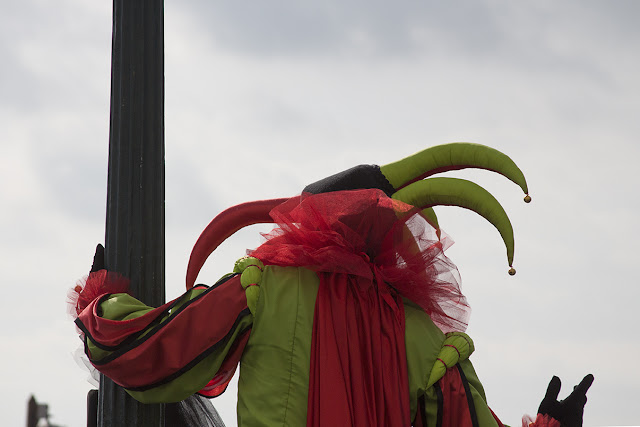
x=176, y=344
x=369, y=252
x=352, y=231
x=455, y=406
x=358, y=363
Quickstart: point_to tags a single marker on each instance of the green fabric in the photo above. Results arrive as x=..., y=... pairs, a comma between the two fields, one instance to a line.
x=195, y=378
x=451, y=192
x=485, y=418
x=456, y=348
x=483, y=413
x=431, y=406
x=462, y=193
x=251, y=274
x=423, y=341
x=274, y=369
x=252, y=294
x=430, y=215
x=125, y=307
x=450, y=157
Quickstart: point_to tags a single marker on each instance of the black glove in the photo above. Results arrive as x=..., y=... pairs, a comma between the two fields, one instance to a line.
x=356, y=178
x=568, y=411
x=98, y=259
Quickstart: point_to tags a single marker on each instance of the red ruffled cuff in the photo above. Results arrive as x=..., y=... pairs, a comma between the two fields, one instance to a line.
x=94, y=286
x=540, y=421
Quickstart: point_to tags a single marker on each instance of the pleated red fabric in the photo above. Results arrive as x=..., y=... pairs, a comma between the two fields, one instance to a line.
x=369, y=251
x=170, y=348
x=455, y=404
x=351, y=232
x=358, y=362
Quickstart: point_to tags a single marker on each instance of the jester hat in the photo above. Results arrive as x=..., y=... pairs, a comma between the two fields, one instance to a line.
x=409, y=180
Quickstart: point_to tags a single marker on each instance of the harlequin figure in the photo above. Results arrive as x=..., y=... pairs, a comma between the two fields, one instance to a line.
x=348, y=314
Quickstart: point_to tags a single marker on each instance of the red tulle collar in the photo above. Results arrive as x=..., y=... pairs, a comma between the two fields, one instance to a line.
x=365, y=233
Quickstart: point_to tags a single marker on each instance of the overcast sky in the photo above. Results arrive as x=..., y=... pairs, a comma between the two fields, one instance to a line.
x=264, y=97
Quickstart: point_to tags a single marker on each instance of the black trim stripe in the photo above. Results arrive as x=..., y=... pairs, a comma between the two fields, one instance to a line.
x=422, y=410
x=198, y=358
x=155, y=321
x=467, y=390
x=438, y=390
x=111, y=357
x=132, y=341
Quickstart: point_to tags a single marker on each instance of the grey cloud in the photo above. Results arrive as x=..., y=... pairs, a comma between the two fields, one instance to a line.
x=51, y=57
x=73, y=179
x=300, y=28
x=19, y=88
x=542, y=37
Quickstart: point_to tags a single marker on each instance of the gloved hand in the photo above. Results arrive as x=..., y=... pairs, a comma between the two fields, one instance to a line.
x=98, y=259
x=570, y=410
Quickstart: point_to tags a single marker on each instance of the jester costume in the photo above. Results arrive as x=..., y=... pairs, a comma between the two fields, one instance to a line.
x=348, y=314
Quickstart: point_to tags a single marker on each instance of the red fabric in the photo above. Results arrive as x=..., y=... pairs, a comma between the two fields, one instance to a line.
x=358, y=362
x=220, y=381
x=189, y=334
x=111, y=333
x=495, y=417
x=417, y=422
x=95, y=285
x=455, y=406
x=351, y=231
x=543, y=421
x=369, y=251
x=223, y=226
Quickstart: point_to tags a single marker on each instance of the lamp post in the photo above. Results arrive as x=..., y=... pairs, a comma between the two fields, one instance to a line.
x=134, y=241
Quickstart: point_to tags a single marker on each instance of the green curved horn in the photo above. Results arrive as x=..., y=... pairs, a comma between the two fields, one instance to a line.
x=430, y=215
x=466, y=194
x=454, y=156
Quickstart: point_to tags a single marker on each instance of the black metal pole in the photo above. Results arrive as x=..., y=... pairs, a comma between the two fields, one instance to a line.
x=134, y=242
x=32, y=412
x=92, y=408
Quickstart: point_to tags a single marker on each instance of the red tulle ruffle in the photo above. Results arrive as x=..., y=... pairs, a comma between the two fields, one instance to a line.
x=93, y=286
x=365, y=233
x=540, y=421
